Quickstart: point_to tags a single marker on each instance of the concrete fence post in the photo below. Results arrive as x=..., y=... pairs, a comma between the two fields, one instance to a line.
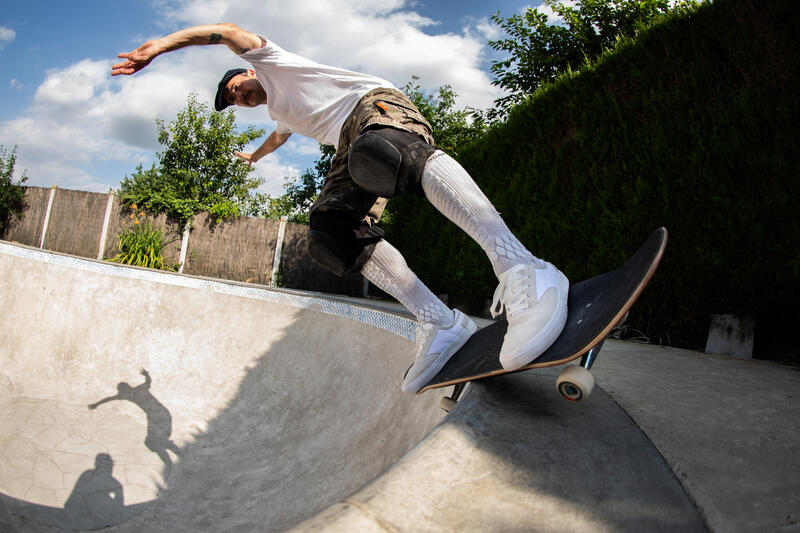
x=47, y=215
x=104, y=232
x=276, y=261
x=184, y=248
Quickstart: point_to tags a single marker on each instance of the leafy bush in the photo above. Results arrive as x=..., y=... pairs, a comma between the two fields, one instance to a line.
x=12, y=193
x=197, y=171
x=691, y=125
x=141, y=244
x=541, y=50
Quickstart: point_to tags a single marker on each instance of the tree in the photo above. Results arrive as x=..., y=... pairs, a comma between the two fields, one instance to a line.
x=540, y=50
x=197, y=171
x=301, y=193
x=12, y=194
x=452, y=129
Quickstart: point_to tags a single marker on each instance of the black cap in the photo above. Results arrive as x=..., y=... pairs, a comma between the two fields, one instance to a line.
x=220, y=102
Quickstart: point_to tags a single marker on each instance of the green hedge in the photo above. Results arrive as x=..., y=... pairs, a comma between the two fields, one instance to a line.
x=693, y=125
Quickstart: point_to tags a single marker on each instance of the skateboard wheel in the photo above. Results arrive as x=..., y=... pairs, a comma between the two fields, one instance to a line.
x=447, y=403
x=575, y=383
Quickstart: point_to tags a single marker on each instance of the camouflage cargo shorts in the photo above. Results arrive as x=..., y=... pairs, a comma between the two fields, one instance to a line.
x=379, y=107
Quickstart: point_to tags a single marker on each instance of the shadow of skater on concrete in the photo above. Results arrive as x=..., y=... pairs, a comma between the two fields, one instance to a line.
x=97, y=500
x=159, y=419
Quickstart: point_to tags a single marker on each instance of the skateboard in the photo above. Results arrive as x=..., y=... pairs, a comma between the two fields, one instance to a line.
x=595, y=307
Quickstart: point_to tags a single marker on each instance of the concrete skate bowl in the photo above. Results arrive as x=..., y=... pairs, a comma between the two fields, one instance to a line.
x=148, y=401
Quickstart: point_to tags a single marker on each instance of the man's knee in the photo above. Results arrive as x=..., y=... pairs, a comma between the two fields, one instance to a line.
x=339, y=243
x=388, y=161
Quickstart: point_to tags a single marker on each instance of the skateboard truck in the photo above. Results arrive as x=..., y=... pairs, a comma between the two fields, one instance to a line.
x=588, y=359
x=574, y=383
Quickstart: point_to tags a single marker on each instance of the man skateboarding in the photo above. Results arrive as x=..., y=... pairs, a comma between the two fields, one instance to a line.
x=385, y=148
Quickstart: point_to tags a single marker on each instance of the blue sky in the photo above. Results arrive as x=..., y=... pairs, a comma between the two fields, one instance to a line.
x=78, y=128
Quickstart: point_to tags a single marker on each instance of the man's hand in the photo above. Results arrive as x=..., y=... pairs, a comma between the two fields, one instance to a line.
x=244, y=156
x=274, y=141
x=137, y=59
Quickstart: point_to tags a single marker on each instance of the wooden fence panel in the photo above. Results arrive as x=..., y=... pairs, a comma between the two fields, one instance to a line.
x=76, y=222
x=28, y=229
x=240, y=250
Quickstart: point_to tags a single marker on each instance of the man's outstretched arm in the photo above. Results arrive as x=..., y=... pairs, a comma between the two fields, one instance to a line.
x=232, y=36
x=274, y=141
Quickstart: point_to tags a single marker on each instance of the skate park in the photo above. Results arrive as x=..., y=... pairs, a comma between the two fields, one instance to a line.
x=142, y=400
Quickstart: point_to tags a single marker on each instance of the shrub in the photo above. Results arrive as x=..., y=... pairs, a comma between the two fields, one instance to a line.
x=12, y=194
x=141, y=244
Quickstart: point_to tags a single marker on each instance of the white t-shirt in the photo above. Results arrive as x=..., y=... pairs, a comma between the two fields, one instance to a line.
x=306, y=97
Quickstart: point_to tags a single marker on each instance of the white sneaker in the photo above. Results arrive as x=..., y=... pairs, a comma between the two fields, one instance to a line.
x=535, y=300
x=435, y=346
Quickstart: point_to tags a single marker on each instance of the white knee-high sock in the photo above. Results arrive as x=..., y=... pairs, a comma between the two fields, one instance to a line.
x=452, y=191
x=387, y=269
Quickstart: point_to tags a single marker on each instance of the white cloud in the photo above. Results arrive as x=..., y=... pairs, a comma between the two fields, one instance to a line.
x=82, y=119
x=300, y=145
x=74, y=85
x=15, y=83
x=81, y=116
x=274, y=171
x=67, y=177
x=485, y=29
x=383, y=38
x=7, y=36
x=552, y=16
x=70, y=127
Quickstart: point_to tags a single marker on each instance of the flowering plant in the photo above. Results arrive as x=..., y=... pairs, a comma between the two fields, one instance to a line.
x=141, y=244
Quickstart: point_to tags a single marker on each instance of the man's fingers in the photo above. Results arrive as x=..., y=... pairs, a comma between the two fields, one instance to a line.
x=116, y=70
x=127, y=67
x=244, y=157
x=130, y=66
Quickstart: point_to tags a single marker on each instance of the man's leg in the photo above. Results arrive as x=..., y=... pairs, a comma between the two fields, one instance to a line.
x=444, y=330
x=532, y=292
x=344, y=238
x=343, y=245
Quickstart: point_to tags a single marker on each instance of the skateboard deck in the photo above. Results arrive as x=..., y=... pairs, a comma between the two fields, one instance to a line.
x=595, y=307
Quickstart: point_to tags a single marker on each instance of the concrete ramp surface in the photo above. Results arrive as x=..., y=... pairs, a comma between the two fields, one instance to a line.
x=158, y=402
x=138, y=400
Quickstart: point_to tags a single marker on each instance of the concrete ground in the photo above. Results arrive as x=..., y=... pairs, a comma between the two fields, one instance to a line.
x=146, y=401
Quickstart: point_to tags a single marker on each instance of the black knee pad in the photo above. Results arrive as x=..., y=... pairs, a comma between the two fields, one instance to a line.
x=326, y=251
x=339, y=243
x=389, y=161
